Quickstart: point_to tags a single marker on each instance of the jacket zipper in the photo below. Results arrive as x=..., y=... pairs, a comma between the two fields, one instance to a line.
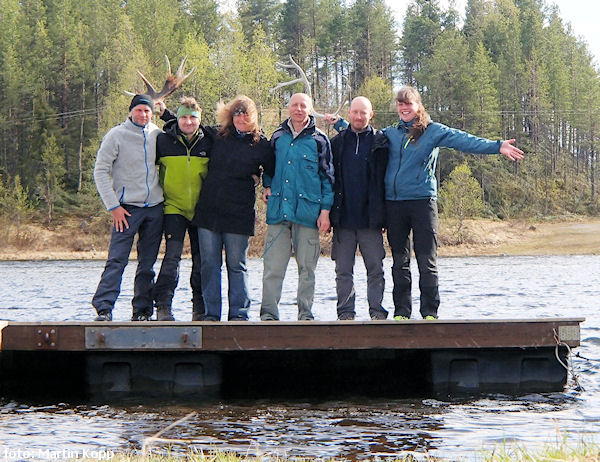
x=402, y=148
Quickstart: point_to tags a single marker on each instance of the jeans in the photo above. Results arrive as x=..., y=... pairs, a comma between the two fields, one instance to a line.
x=146, y=222
x=421, y=217
x=279, y=241
x=175, y=227
x=211, y=249
x=343, y=252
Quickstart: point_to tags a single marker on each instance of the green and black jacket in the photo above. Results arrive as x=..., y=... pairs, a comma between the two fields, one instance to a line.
x=183, y=165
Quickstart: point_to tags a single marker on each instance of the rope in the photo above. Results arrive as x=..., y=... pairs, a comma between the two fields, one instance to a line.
x=570, y=370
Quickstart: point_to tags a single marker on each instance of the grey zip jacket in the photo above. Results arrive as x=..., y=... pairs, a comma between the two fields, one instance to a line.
x=125, y=170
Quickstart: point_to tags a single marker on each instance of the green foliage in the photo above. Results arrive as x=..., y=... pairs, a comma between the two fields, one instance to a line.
x=460, y=197
x=513, y=70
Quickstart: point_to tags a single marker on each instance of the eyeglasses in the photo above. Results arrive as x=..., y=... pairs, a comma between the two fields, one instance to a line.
x=238, y=112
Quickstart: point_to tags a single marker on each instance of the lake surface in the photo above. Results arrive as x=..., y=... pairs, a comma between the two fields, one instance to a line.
x=354, y=428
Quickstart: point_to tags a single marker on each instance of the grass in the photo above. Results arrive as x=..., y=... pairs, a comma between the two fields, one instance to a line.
x=88, y=238
x=561, y=451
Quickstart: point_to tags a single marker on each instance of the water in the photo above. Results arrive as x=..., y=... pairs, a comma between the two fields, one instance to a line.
x=356, y=428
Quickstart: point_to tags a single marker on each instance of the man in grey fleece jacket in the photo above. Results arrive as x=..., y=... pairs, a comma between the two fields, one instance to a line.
x=127, y=181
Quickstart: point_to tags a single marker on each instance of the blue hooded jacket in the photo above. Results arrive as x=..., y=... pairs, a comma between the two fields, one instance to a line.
x=410, y=172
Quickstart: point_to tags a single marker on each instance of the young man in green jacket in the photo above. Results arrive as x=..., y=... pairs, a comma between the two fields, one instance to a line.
x=182, y=153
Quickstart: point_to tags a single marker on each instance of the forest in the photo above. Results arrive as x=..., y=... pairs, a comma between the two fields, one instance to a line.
x=507, y=69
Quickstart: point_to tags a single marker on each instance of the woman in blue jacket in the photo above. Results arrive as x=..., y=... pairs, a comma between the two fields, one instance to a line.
x=411, y=195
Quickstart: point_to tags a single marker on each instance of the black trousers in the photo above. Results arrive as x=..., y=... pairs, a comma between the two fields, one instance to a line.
x=421, y=217
x=175, y=227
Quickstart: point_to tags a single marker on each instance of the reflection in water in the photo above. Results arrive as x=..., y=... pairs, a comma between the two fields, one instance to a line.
x=355, y=428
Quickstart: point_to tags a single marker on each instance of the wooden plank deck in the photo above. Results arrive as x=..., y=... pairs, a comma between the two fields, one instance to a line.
x=265, y=336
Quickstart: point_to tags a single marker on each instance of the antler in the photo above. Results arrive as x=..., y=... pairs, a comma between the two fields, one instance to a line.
x=172, y=82
x=302, y=79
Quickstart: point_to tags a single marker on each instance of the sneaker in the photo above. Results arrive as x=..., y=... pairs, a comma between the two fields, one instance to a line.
x=140, y=317
x=401, y=318
x=429, y=318
x=379, y=315
x=346, y=316
x=104, y=316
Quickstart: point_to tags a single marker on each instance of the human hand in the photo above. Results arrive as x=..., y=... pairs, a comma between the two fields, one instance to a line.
x=510, y=151
x=330, y=119
x=119, y=218
x=160, y=107
x=323, y=222
x=256, y=180
x=265, y=195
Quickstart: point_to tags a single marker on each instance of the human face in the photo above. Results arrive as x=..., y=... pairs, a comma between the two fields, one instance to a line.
x=407, y=111
x=188, y=124
x=141, y=114
x=360, y=114
x=242, y=121
x=299, y=108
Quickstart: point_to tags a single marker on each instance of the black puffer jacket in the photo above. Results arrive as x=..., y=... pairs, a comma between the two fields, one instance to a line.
x=226, y=202
x=377, y=163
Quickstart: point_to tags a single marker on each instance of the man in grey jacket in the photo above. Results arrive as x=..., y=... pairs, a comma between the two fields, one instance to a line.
x=127, y=181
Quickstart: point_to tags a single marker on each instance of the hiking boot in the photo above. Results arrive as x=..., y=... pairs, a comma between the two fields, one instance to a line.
x=140, y=317
x=104, y=316
x=401, y=318
x=163, y=313
x=197, y=315
x=197, y=308
x=346, y=316
x=379, y=315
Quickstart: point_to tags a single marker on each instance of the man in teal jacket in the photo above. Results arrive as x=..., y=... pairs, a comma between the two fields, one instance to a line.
x=299, y=198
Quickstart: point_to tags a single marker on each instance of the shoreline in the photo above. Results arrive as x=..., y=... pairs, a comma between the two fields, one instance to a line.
x=576, y=236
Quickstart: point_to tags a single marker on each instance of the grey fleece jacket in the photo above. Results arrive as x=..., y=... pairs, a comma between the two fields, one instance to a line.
x=125, y=171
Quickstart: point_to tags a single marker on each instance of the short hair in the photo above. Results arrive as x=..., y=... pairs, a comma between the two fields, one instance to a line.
x=190, y=103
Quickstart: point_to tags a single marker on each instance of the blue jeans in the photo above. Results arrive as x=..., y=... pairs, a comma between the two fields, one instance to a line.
x=147, y=223
x=211, y=248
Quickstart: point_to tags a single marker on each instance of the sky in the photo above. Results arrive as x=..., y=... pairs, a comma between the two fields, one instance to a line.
x=582, y=14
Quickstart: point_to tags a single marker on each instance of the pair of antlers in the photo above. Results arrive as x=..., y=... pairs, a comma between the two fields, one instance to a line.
x=303, y=79
x=172, y=82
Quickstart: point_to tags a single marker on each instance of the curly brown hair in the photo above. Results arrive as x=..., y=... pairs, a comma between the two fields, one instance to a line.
x=408, y=94
x=225, y=116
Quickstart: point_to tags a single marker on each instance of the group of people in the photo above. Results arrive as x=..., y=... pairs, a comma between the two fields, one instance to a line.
x=362, y=183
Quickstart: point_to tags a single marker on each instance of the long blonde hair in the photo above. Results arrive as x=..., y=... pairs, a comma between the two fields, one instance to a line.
x=225, y=116
x=408, y=94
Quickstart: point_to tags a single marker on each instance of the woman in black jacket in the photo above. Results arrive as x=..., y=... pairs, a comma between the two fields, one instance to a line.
x=225, y=211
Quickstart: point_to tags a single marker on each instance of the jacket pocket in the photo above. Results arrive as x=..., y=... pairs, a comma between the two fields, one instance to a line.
x=274, y=207
x=308, y=209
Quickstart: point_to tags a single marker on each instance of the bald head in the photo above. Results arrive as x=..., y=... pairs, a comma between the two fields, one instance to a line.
x=299, y=108
x=360, y=113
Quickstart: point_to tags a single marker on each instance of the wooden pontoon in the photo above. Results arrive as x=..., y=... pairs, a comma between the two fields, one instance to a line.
x=110, y=360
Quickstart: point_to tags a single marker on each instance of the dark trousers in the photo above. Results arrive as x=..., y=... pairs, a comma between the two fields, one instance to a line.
x=420, y=217
x=146, y=222
x=175, y=226
x=343, y=252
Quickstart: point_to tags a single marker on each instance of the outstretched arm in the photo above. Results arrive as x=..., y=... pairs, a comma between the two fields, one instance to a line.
x=510, y=151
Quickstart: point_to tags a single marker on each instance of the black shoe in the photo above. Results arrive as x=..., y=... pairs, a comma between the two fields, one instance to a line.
x=104, y=316
x=140, y=317
x=379, y=315
x=210, y=318
x=346, y=316
x=197, y=315
x=163, y=313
